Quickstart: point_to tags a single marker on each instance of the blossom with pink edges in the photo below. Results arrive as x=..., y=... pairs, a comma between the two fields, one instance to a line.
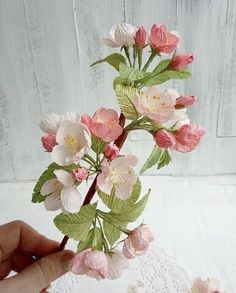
x=161, y=40
x=164, y=138
x=48, y=142
x=111, y=151
x=117, y=263
x=140, y=37
x=206, y=286
x=180, y=62
x=137, y=242
x=103, y=124
x=80, y=174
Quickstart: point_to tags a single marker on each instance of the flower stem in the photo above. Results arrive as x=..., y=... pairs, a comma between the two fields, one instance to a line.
x=127, y=55
x=92, y=190
x=151, y=57
x=134, y=55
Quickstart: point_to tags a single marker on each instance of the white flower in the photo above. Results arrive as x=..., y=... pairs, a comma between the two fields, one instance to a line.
x=121, y=35
x=120, y=175
x=73, y=140
x=206, y=286
x=51, y=122
x=116, y=264
x=61, y=193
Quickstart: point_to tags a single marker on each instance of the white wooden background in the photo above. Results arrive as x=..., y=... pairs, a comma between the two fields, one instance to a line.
x=46, y=47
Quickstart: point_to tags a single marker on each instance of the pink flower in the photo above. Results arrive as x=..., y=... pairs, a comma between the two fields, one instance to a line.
x=104, y=124
x=49, y=141
x=206, y=286
x=157, y=105
x=188, y=137
x=184, y=101
x=120, y=175
x=161, y=40
x=111, y=151
x=116, y=264
x=140, y=37
x=164, y=138
x=121, y=35
x=137, y=242
x=180, y=62
x=80, y=174
x=91, y=262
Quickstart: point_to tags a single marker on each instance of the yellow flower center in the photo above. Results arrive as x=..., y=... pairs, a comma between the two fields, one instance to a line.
x=72, y=143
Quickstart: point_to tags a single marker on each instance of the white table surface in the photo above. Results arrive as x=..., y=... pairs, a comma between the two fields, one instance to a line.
x=193, y=219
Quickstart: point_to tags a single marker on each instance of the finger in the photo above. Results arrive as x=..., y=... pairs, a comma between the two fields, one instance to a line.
x=5, y=268
x=18, y=235
x=40, y=274
x=19, y=262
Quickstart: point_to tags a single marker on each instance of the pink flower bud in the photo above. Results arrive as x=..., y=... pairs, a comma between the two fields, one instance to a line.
x=111, y=151
x=180, y=62
x=80, y=174
x=161, y=40
x=137, y=242
x=185, y=101
x=140, y=37
x=188, y=137
x=164, y=138
x=49, y=141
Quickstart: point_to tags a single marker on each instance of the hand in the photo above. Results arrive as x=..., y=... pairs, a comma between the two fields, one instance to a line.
x=20, y=246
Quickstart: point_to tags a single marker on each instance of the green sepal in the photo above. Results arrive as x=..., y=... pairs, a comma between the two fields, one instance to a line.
x=98, y=145
x=164, y=160
x=93, y=240
x=152, y=159
x=113, y=233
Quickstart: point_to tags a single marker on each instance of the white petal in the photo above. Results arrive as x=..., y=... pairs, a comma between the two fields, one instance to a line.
x=52, y=202
x=116, y=264
x=123, y=190
x=64, y=177
x=104, y=185
x=60, y=155
x=48, y=186
x=71, y=199
x=70, y=116
x=109, y=42
x=50, y=123
x=131, y=160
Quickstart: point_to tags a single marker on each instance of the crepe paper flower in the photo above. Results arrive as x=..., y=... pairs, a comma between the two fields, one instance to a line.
x=80, y=174
x=136, y=288
x=121, y=35
x=206, y=286
x=117, y=263
x=137, y=242
x=164, y=138
x=157, y=105
x=73, y=142
x=180, y=62
x=92, y=263
x=50, y=123
x=104, y=124
x=185, y=101
x=120, y=175
x=188, y=137
x=161, y=40
x=140, y=37
x=61, y=193
x=111, y=151
x=48, y=142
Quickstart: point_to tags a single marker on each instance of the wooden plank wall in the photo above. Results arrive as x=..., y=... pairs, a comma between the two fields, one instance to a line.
x=46, y=48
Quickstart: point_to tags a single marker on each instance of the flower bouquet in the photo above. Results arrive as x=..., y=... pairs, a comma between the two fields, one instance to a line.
x=84, y=147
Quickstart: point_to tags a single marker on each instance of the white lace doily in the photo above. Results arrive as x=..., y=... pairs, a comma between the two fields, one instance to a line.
x=157, y=271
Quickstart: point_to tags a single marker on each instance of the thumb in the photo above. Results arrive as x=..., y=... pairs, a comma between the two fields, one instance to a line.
x=40, y=274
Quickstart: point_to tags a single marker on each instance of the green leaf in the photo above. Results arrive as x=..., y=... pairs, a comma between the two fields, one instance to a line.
x=114, y=60
x=165, y=159
x=112, y=233
x=162, y=66
x=125, y=95
x=117, y=205
x=152, y=160
x=48, y=174
x=130, y=215
x=166, y=75
x=98, y=145
x=77, y=225
x=93, y=240
x=131, y=74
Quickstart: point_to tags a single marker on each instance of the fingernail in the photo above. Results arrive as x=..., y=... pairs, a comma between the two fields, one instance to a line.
x=67, y=258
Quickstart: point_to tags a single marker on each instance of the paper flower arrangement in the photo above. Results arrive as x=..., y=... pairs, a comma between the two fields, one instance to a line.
x=84, y=147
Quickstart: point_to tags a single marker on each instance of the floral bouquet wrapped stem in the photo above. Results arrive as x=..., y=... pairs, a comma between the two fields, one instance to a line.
x=87, y=146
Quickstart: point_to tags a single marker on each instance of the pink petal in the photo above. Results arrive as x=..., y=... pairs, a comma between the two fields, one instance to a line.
x=78, y=266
